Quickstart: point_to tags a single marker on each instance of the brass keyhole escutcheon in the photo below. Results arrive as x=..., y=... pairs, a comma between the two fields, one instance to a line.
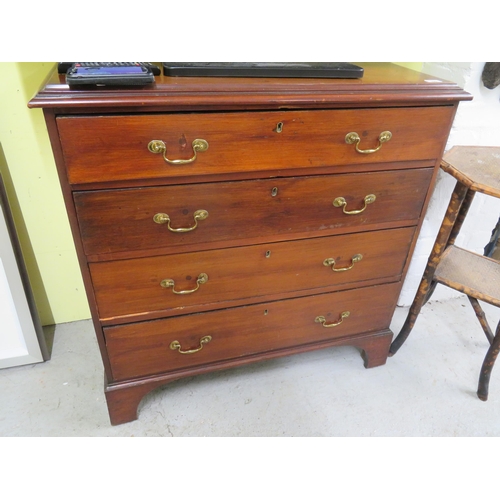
x=274, y=191
x=279, y=128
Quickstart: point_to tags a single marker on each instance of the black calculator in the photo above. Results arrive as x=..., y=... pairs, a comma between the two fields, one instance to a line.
x=109, y=74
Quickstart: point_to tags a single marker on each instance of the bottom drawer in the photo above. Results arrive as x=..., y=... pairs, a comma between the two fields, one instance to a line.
x=148, y=348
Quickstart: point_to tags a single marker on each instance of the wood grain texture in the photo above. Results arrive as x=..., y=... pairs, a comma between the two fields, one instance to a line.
x=123, y=398
x=382, y=85
x=265, y=192
x=140, y=349
x=113, y=220
x=110, y=148
x=131, y=288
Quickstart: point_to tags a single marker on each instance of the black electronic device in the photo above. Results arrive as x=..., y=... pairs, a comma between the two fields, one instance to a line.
x=63, y=67
x=264, y=69
x=122, y=74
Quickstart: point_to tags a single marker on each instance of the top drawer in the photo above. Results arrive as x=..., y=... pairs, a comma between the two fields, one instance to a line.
x=108, y=148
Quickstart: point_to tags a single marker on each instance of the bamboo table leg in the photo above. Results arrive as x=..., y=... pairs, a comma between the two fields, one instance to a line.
x=457, y=226
x=447, y=229
x=482, y=318
x=489, y=361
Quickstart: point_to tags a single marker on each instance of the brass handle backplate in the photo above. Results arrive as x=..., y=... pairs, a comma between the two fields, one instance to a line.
x=165, y=219
x=322, y=320
x=341, y=202
x=353, y=138
x=331, y=262
x=170, y=283
x=159, y=147
x=175, y=345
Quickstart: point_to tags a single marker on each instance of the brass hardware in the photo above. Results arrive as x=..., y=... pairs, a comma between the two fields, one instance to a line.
x=175, y=345
x=322, y=320
x=279, y=127
x=340, y=202
x=274, y=191
x=158, y=147
x=268, y=254
x=165, y=219
x=353, y=138
x=331, y=262
x=170, y=283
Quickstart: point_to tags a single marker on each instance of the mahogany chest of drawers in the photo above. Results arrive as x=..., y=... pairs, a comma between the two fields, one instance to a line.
x=222, y=221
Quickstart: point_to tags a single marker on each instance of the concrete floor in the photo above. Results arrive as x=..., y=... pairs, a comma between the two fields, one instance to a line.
x=427, y=389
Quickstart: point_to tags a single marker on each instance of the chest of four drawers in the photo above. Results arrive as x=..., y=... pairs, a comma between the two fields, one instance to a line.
x=208, y=239
x=163, y=275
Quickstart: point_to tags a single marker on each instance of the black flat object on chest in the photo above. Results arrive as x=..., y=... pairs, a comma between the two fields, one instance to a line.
x=264, y=69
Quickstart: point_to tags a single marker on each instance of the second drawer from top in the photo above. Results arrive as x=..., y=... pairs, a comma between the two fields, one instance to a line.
x=177, y=218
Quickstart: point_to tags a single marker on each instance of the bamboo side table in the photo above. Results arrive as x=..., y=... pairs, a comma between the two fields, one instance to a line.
x=476, y=169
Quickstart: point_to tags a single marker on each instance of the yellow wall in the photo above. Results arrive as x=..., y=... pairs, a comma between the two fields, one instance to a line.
x=417, y=66
x=32, y=185
x=31, y=180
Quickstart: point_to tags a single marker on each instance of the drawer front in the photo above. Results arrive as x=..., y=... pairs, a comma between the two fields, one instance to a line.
x=117, y=220
x=179, y=284
x=141, y=349
x=110, y=148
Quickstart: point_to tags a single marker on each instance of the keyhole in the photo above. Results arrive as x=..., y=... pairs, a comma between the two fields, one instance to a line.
x=274, y=191
x=279, y=127
x=268, y=254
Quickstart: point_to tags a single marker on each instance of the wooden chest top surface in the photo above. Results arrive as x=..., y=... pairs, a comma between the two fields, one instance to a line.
x=382, y=84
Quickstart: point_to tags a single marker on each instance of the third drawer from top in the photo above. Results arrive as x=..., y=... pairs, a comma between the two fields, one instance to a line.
x=132, y=289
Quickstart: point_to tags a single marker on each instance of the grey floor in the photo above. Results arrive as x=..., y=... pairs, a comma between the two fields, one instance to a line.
x=427, y=389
